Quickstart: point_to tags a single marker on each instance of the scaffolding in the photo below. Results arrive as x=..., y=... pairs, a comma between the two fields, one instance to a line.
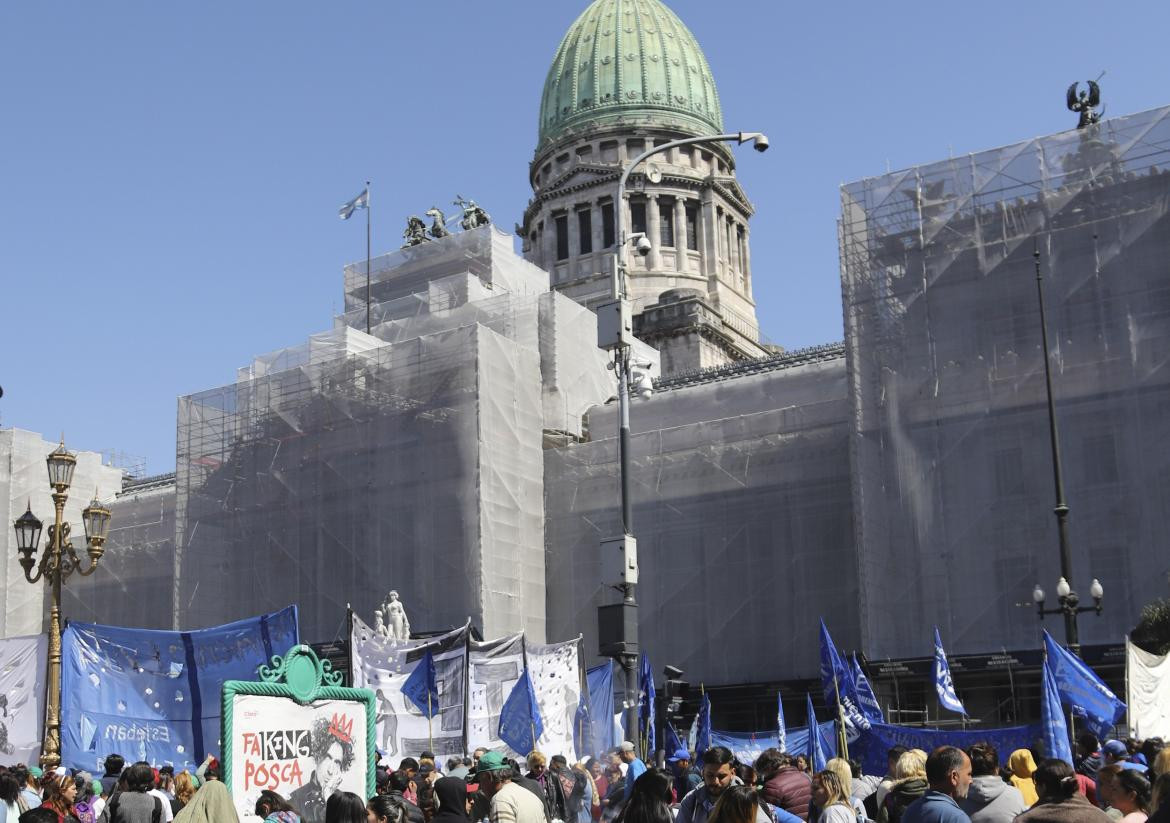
x=952, y=475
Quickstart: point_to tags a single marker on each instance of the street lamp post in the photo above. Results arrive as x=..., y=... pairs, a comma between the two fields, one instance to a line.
x=57, y=563
x=1068, y=598
x=615, y=332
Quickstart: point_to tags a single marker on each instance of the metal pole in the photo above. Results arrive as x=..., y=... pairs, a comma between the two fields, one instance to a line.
x=51, y=750
x=369, y=208
x=1061, y=508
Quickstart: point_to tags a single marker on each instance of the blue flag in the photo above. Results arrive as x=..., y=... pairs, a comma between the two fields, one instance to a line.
x=781, y=726
x=837, y=683
x=520, y=722
x=646, y=705
x=701, y=729
x=600, y=681
x=815, y=754
x=1082, y=690
x=421, y=689
x=673, y=741
x=1052, y=719
x=583, y=727
x=943, y=684
x=866, y=699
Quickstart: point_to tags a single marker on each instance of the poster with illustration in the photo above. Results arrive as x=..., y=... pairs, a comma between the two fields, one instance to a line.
x=299, y=734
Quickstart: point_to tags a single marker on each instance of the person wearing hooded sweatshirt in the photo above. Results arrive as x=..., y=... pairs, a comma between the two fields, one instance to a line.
x=451, y=798
x=211, y=804
x=1023, y=766
x=990, y=800
x=909, y=785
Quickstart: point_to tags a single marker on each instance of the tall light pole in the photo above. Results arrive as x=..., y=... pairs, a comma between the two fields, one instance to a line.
x=57, y=563
x=617, y=624
x=1068, y=598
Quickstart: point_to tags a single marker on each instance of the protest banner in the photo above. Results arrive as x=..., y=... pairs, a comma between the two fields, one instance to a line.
x=298, y=732
x=493, y=669
x=22, y=701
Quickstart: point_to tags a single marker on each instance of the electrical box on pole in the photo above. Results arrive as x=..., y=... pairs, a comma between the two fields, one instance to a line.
x=615, y=324
x=619, y=561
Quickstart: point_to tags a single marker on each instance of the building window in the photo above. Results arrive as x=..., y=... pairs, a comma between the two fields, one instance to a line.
x=665, y=223
x=692, y=226
x=584, y=154
x=562, y=237
x=585, y=230
x=607, y=227
x=634, y=147
x=609, y=151
x=638, y=217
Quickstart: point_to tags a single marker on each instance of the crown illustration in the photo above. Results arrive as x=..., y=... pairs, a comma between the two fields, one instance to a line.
x=341, y=728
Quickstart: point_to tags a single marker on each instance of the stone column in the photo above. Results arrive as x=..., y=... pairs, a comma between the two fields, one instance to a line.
x=747, y=261
x=549, y=246
x=654, y=259
x=708, y=245
x=574, y=261
x=680, y=232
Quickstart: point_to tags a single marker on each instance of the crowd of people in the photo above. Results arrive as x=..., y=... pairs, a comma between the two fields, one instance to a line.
x=1122, y=780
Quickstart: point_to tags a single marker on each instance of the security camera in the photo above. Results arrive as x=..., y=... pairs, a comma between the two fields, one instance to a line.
x=642, y=245
x=761, y=143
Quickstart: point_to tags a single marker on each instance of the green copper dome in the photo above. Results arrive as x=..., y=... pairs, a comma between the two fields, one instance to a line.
x=632, y=62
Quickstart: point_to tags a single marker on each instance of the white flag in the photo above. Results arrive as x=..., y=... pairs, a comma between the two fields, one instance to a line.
x=362, y=201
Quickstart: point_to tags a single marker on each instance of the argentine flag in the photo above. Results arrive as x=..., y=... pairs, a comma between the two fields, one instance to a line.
x=362, y=201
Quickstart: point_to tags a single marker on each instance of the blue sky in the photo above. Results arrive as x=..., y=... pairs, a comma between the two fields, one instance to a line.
x=170, y=172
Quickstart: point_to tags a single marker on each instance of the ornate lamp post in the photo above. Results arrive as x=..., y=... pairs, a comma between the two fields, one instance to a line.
x=57, y=563
x=617, y=624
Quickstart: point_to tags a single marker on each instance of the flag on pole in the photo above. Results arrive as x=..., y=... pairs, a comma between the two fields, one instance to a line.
x=646, y=706
x=1052, y=719
x=781, y=728
x=943, y=684
x=1082, y=690
x=362, y=201
x=815, y=754
x=520, y=722
x=866, y=699
x=837, y=683
x=701, y=730
x=583, y=726
x=673, y=741
x=421, y=687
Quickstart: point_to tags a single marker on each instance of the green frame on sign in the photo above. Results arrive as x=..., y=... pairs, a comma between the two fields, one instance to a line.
x=301, y=676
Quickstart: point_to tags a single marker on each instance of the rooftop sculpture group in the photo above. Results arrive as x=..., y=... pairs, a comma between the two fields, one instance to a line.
x=390, y=619
x=417, y=232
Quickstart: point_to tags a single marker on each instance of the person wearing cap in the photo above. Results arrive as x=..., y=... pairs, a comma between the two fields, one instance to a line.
x=635, y=768
x=1116, y=753
x=686, y=779
x=509, y=802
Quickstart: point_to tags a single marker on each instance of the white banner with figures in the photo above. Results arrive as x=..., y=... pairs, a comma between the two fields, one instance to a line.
x=302, y=752
x=382, y=665
x=493, y=669
x=1147, y=679
x=22, y=705
x=556, y=679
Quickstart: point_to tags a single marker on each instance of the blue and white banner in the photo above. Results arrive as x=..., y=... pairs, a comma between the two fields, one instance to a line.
x=22, y=697
x=600, y=683
x=747, y=746
x=701, y=729
x=943, y=684
x=865, y=696
x=1082, y=690
x=872, y=745
x=781, y=726
x=555, y=671
x=155, y=695
x=837, y=683
x=1052, y=719
x=493, y=667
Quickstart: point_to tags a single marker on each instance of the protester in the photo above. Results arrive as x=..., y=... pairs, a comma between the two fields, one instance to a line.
x=590, y=800
x=634, y=766
x=1117, y=753
x=30, y=790
x=39, y=815
x=909, y=785
x=450, y=795
x=864, y=785
x=801, y=763
x=1088, y=755
x=1161, y=764
x=948, y=770
x=686, y=779
x=1059, y=799
x=168, y=813
x=455, y=768
x=83, y=804
x=887, y=783
x=383, y=809
x=211, y=804
x=1107, y=787
x=345, y=807
x=398, y=783
x=1131, y=796
x=830, y=798
x=184, y=789
x=738, y=804
x=844, y=772
x=134, y=804
x=509, y=802
x=60, y=792
x=9, y=797
x=649, y=801
x=550, y=785
x=990, y=800
x=696, y=807
x=1160, y=799
x=785, y=786
x=273, y=808
x=113, y=765
x=615, y=793
x=572, y=786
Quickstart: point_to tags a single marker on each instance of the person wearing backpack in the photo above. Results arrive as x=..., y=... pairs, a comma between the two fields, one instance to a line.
x=135, y=805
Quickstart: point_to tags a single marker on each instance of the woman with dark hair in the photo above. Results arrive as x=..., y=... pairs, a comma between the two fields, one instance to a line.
x=9, y=797
x=385, y=809
x=345, y=807
x=1131, y=796
x=275, y=809
x=736, y=804
x=1060, y=800
x=649, y=801
x=615, y=794
x=83, y=808
x=60, y=792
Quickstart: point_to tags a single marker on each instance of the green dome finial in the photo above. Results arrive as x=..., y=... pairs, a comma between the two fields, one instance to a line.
x=629, y=61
